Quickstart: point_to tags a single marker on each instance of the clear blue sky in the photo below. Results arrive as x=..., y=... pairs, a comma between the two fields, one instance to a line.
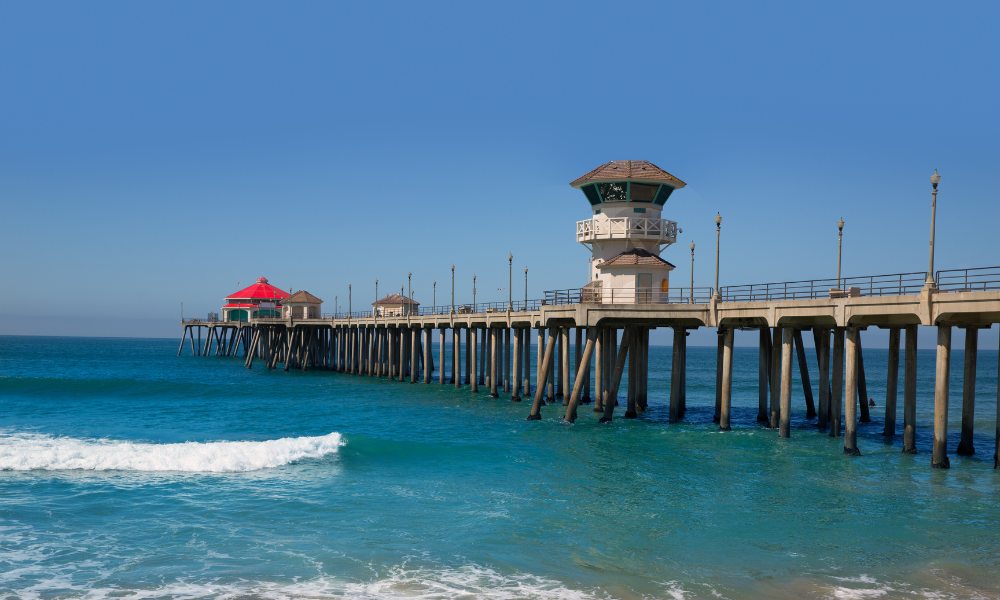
x=153, y=154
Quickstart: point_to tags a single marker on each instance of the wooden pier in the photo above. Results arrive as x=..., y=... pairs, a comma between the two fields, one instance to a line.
x=612, y=340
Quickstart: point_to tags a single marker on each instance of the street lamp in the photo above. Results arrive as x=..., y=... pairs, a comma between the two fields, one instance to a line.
x=935, y=180
x=473, y=292
x=409, y=292
x=718, y=234
x=525, y=288
x=510, y=281
x=452, y=289
x=691, y=288
x=375, y=310
x=840, y=245
x=349, y=297
x=434, y=300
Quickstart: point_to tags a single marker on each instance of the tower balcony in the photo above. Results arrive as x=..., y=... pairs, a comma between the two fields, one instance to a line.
x=660, y=231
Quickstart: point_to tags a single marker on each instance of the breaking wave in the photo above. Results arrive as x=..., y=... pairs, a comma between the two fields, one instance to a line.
x=28, y=452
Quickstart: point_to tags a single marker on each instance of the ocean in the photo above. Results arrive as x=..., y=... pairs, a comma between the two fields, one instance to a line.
x=129, y=472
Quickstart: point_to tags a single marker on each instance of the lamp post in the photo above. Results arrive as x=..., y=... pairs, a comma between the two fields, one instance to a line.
x=452, y=289
x=473, y=292
x=336, y=305
x=691, y=288
x=718, y=234
x=349, y=298
x=434, y=300
x=375, y=310
x=510, y=281
x=840, y=245
x=935, y=180
x=409, y=292
x=525, y=288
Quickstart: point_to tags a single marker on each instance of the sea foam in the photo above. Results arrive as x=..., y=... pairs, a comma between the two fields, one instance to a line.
x=27, y=452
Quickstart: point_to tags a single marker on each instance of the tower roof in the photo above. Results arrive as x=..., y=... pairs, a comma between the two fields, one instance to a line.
x=633, y=257
x=262, y=290
x=303, y=297
x=393, y=299
x=628, y=170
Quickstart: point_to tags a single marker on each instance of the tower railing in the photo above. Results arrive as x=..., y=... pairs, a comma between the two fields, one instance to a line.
x=622, y=228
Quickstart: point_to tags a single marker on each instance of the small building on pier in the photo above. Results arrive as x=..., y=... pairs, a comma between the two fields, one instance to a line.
x=625, y=233
x=260, y=300
x=395, y=305
x=302, y=305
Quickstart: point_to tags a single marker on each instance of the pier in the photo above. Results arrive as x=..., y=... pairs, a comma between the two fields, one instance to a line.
x=591, y=339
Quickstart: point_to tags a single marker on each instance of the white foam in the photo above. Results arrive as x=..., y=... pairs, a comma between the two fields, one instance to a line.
x=27, y=452
x=468, y=582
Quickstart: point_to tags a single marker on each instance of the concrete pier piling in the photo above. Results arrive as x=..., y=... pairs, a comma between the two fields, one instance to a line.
x=784, y=422
x=775, y=378
x=727, y=380
x=763, y=373
x=837, y=397
x=939, y=455
x=910, y=391
x=800, y=353
x=821, y=337
x=891, y=384
x=965, y=444
x=851, y=389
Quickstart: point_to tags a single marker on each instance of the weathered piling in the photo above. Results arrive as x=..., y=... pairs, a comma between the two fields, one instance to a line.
x=939, y=454
x=727, y=380
x=763, y=372
x=910, y=391
x=965, y=445
x=838, y=381
x=807, y=391
x=851, y=389
x=891, y=384
x=784, y=423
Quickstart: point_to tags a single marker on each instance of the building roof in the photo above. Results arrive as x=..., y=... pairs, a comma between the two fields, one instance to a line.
x=262, y=290
x=635, y=257
x=302, y=297
x=628, y=170
x=396, y=299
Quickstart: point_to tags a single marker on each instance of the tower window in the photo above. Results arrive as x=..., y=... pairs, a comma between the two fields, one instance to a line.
x=591, y=192
x=642, y=192
x=639, y=210
x=614, y=191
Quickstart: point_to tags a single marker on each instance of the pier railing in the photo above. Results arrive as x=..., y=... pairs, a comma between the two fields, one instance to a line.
x=968, y=280
x=698, y=295
x=894, y=284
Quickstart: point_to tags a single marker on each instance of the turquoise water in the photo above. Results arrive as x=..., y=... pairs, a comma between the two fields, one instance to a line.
x=119, y=478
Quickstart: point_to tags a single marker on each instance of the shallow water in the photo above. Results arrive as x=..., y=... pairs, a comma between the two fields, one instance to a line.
x=119, y=478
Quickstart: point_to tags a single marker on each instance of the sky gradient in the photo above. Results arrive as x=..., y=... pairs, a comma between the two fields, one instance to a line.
x=154, y=154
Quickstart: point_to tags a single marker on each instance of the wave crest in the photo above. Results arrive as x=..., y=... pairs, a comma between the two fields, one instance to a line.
x=28, y=452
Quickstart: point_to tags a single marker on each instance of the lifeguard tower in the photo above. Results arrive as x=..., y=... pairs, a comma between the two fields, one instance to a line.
x=625, y=234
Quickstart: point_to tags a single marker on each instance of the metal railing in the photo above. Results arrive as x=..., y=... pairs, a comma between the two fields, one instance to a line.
x=597, y=295
x=968, y=280
x=614, y=228
x=895, y=284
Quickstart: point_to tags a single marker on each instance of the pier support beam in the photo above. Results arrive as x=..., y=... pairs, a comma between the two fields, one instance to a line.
x=675, y=377
x=616, y=375
x=599, y=360
x=891, y=384
x=939, y=456
x=775, y=378
x=581, y=369
x=821, y=338
x=965, y=445
x=441, y=345
x=544, y=365
x=473, y=350
x=910, y=391
x=807, y=390
x=564, y=370
x=515, y=394
x=838, y=381
x=784, y=422
x=494, y=333
x=763, y=369
x=720, y=338
x=866, y=416
x=851, y=400
x=727, y=379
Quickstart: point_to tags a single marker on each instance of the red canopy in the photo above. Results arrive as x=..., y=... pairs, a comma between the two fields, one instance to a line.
x=262, y=290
